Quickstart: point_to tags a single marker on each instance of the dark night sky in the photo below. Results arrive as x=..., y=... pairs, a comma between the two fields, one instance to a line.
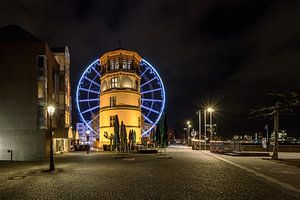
x=224, y=53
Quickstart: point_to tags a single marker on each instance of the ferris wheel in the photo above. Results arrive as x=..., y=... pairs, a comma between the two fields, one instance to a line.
x=152, y=96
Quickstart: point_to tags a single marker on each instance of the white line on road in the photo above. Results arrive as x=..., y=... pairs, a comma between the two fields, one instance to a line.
x=268, y=178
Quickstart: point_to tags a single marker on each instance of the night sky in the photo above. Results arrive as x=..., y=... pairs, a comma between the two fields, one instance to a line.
x=215, y=52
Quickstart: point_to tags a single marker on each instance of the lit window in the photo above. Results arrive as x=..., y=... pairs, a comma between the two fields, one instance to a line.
x=114, y=82
x=117, y=63
x=41, y=89
x=124, y=63
x=129, y=61
x=112, y=65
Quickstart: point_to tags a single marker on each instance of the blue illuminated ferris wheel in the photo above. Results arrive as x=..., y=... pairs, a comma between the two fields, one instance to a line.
x=152, y=96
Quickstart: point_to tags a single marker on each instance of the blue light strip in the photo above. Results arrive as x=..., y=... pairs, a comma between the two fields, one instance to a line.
x=149, y=91
x=152, y=100
x=149, y=81
x=85, y=100
x=163, y=97
x=96, y=72
x=93, y=108
x=144, y=72
x=92, y=81
x=149, y=120
x=92, y=91
x=93, y=119
x=150, y=109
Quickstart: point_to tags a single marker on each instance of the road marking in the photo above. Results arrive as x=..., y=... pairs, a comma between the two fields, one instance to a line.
x=268, y=178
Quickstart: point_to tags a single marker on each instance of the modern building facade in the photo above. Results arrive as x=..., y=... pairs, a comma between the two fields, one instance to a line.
x=120, y=93
x=29, y=82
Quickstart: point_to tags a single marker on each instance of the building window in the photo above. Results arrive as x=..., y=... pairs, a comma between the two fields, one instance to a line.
x=129, y=61
x=42, y=65
x=113, y=101
x=139, y=102
x=124, y=63
x=112, y=120
x=112, y=64
x=41, y=89
x=117, y=63
x=136, y=85
x=114, y=82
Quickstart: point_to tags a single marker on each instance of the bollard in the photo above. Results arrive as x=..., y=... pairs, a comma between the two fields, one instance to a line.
x=11, y=154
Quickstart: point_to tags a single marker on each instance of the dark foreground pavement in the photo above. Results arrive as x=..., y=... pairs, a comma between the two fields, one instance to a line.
x=180, y=174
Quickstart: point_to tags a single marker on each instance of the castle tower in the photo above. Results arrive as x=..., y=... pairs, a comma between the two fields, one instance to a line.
x=120, y=92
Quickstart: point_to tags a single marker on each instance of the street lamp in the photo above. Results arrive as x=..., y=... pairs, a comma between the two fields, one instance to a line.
x=210, y=110
x=87, y=141
x=51, y=110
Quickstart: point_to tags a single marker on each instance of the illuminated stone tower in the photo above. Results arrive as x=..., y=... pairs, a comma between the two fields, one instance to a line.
x=120, y=92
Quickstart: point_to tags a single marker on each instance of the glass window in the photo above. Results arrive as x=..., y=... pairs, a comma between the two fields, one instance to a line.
x=112, y=65
x=129, y=61
x=113, y=101
x=117, y=63
x=41, y=89
x=124, y=63
x=114, y=82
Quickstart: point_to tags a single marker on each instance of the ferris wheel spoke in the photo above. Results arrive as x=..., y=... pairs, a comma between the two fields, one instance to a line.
x=87, y=90
x=96, y=72
x=153, y=100
x=88, y=100
x=149, y=81
x=149, y=91
x=144, y=72
x=92, y=81
x=93, y=119
x=93, y=108
x=149, y=120
x=150, y=109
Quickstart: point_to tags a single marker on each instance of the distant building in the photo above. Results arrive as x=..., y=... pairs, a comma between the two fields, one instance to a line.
x=29, y=81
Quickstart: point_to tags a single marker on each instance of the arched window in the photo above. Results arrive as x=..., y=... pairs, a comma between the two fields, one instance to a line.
x=117, y=63
x=124, y=63
x=114, y=82
x=127, y=82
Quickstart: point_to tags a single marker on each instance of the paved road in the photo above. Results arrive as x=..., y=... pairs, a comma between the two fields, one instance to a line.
x=180, y=174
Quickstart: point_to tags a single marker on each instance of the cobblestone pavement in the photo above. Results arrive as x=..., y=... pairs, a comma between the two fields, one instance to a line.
x=180, y=174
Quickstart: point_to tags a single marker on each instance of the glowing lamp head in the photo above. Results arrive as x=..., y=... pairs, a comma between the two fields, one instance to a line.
x=88, y=132
x=50, y=110
x=190, y=126
x=188, y=122
x=210, y=109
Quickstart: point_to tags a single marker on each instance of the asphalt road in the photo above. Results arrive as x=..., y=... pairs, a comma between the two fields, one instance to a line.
x=180, y=174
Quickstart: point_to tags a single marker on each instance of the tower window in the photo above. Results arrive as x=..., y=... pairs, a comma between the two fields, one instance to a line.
x=139, y=121
x=124, y=63
x=113, y=101
x=117, y=63
x=129, y=61
x=114, y=82
x=112, y=65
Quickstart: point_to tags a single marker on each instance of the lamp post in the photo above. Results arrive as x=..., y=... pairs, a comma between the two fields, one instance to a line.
x=87, y=141
x=210, y=110
x=199, y=113
x=188, y=123
x=205, y=129
x=51, y=110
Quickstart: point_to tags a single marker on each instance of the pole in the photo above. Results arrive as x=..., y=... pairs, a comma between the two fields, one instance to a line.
x=210, y=125
x=276, y=125
x=51, y=145
x=205, y=129
x=199, y=129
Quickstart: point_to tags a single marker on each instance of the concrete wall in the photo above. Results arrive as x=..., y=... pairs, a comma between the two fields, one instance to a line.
x=18, y=103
